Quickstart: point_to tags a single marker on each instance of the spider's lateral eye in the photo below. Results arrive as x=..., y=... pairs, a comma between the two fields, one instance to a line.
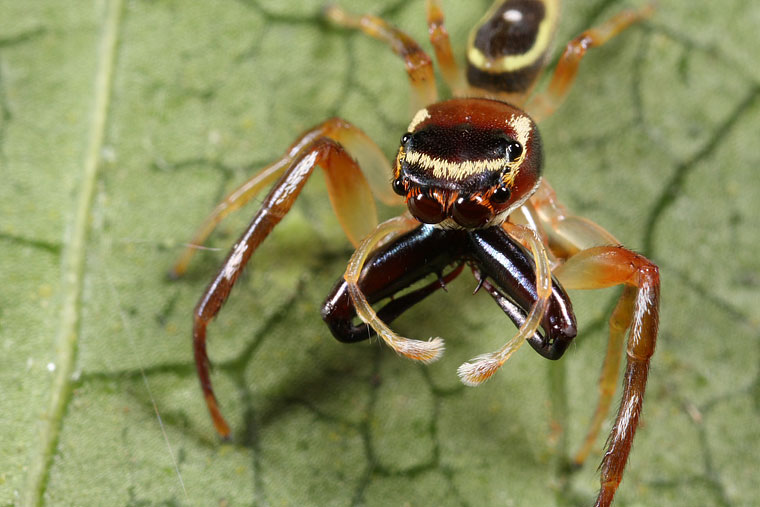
x=406, y=138
x=501, y=195
x=398, y=186
x=514, y=150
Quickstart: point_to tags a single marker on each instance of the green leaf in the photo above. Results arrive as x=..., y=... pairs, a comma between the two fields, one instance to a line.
x=123, y=123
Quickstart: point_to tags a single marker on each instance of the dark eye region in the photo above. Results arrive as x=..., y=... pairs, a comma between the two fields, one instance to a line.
x=468, y=211
x=399, y=186
x=461, y=143
x=501, y=195
x=513, y=150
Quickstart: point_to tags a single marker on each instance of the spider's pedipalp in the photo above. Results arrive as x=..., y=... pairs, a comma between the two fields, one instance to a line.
x=418, y=350
x=480, y=369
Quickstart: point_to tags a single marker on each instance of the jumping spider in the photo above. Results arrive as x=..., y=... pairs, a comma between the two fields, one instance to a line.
x=469, y=170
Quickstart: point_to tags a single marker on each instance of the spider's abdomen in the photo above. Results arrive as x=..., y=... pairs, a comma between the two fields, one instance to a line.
x=507, y=48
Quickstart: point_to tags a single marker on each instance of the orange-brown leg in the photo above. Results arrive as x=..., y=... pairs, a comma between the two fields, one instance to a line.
x=605, y=266
x=595, y=260
x=439, y=38
x=543, y=104
x=371, y=159
x=620, y=321
x=419, y=67
x=567, y=234
x=351, y=200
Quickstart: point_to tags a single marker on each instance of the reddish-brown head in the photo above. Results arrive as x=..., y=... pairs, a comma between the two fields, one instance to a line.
x=468, y=163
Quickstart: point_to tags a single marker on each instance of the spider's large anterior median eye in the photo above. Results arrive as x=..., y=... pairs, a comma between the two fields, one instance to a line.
x=426, y=209
x=471, y=213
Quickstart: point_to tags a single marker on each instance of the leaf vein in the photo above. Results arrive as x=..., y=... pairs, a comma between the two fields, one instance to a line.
x=73, y=263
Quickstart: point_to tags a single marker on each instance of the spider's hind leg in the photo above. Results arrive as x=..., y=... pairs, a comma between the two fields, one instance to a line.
x=439, y=38
x=543, y=104
x=419, y=66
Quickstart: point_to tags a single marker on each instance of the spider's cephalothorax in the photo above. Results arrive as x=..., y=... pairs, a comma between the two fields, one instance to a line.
x=469, y=170
x=468, y=163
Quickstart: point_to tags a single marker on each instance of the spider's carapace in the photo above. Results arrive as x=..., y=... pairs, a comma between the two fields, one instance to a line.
x=468, y=163
x=469, y=170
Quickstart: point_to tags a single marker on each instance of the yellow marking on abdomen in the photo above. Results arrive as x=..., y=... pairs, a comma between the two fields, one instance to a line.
x=513, y=63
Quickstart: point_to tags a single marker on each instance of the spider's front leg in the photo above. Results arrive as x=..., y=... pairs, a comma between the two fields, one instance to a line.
x=596, y=261
x=349, y=194
x=370, y=158
x=638, y=309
